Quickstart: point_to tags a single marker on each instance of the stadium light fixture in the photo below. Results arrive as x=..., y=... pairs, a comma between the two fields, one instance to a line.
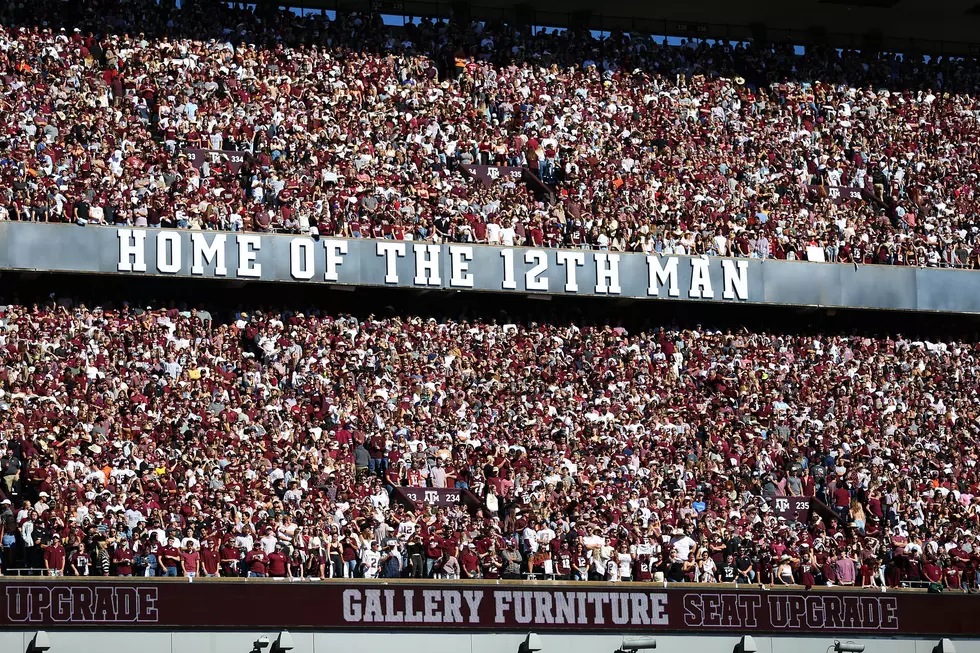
x=944, y=646
x=746, y=645
x=284, y=642
x=531, y=644
x=632, y=644
x=848, y=647
x=39, y=643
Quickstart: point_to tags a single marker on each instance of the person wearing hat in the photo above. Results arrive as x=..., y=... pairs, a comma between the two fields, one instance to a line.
x=255, y=561
x=784, y=571
x=391, y=561
x=370, y=560
x=469, y=562
x=683, y=545
x=54, y=556
x=10, y=466
x=278, y=566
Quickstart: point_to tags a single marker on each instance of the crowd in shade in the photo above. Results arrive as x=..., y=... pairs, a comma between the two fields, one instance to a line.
x=347, y=127
x=154, y=440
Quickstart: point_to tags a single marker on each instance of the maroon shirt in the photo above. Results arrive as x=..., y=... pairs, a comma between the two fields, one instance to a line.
x=191, y=559
x=170, y=556
x=124, y=561
x=54, y=555
x=255, y=561
x=277, y=564
x=209, y=561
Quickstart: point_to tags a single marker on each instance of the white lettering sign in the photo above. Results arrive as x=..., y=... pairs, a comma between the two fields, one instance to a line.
x=449, y=266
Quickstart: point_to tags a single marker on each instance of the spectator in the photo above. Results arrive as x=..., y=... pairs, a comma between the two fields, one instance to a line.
x=190, y=561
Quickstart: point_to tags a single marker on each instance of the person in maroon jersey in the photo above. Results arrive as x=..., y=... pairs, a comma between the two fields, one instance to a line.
x=952, y=576
x=123, y=558
x=970, y=577
x=469, y=562
x=580, y=563
x=278, y=563
x=229, y=557
x=315, y=565
x=54, y=557
x=563, y=562
x=190, y=561
x=210, y=558
x=643, y=568
x=433, y=552
x=931, y=571
x=170, y=558
x=491, y=562
x=255, y=561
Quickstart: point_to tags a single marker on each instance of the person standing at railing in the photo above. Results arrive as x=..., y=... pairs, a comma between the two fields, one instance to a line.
x=100, y=559
x=190, y=561
x=78, y=558
x=54, y=557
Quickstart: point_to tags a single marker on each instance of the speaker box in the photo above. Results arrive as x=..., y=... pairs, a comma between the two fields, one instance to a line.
x=523, y=14
x=461, y=11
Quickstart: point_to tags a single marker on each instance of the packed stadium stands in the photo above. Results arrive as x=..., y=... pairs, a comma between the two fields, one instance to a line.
x=152, y=440
x=350, y=128
x=269, y=441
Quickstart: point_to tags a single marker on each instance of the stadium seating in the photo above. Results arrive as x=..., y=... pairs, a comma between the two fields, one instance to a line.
x=355, y=129
x=593, y=452
x=153, y=441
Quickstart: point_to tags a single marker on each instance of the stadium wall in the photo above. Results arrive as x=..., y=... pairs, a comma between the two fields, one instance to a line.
x=459, y=267
x=218, y=615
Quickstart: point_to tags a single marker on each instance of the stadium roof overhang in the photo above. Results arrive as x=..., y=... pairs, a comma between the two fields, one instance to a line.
x=947, y=26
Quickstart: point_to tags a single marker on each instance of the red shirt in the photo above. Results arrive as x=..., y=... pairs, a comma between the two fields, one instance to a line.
x=123, y=558
x=277, y=564
x=209, y=561
x=54, y=555
x=191, y=560
x=228, y=553
x=255, y=561
x=169, y=556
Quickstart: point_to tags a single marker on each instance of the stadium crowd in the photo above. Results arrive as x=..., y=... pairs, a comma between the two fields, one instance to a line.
x=351, y=128
x=163, y=441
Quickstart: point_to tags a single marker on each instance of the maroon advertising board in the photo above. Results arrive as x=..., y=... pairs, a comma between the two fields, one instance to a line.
x=490, y=174
x=197, y=157
x=418, y=497
x=837, y=193
x=480, y=606
x=792, y=509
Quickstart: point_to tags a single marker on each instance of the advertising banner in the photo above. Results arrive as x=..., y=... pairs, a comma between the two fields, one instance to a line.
x=479, y=606
x=837, y=193
x=419, y=497
x=792, y=509
x=471, y=267
x=490, y=174
x=231, y=158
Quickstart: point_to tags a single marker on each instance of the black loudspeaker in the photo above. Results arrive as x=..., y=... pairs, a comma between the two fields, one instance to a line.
x=523, y=14
x=872, y=42
x=760, y=33
x=461, y=11
x=580, y=20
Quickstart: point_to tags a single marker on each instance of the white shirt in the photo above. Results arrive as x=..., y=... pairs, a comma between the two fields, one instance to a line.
x=269, y=543
x=370, y=559
x=682, y=547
